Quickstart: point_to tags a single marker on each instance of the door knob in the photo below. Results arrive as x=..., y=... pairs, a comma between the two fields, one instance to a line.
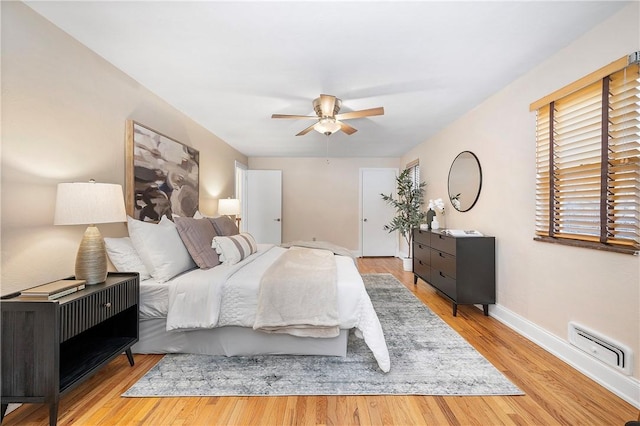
x=365, y=219
x=277, y=220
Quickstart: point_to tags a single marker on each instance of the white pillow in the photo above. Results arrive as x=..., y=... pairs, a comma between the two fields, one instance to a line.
x=125, y=257
x=234, y=248
x=160, y=248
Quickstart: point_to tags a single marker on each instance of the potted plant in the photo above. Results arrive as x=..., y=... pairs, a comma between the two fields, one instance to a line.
x=409, y=212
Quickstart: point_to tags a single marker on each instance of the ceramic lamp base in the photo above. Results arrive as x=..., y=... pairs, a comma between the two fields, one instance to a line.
x=91, y=261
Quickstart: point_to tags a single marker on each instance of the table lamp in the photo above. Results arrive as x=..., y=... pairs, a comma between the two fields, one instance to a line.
x=90, y=203
x=229, y=207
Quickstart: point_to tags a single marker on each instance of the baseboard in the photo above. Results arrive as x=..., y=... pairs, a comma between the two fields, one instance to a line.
x=626, y=387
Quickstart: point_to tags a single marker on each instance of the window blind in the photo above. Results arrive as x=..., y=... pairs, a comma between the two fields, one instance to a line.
x=414, y=173
x=588, y=163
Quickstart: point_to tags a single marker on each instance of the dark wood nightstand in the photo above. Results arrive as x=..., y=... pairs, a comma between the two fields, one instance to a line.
x=50, y=346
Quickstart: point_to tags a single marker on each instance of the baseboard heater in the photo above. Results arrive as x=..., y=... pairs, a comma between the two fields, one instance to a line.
x=606, y=350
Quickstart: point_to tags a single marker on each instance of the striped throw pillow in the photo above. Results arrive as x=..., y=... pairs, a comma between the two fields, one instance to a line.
x=234, y=248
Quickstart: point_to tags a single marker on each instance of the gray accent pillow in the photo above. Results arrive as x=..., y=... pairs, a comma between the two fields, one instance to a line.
x=224, y=225
x=197, y=235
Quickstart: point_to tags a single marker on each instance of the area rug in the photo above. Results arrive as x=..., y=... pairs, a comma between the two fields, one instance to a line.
x=427, y=358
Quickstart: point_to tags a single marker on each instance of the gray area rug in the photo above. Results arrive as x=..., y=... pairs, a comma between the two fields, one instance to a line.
x=427, y=358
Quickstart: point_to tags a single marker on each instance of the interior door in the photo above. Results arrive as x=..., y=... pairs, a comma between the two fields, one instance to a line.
x=375, y=213
x=264, y=205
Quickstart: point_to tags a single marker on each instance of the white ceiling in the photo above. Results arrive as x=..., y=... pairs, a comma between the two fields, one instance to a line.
x=230, y=65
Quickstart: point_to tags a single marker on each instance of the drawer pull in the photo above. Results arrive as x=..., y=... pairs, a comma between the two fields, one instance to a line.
x=440, y=254
x=420, y=245
x=107, y=305
x=441, y=274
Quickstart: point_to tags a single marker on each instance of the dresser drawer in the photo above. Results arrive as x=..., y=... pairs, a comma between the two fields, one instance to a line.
x=444, y=243
x=445, y=284
x=422, y=252
x=81, y=314
x=422, y=269
x=443, y=262
x=421, y=236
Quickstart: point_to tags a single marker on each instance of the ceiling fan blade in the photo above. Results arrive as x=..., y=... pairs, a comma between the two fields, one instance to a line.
x=346, y=128
x=327, y=104
x=362, y=113
x=307, y=130
x=315, y=117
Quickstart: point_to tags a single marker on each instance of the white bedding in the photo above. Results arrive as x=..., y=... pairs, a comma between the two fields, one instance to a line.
x=227, y=296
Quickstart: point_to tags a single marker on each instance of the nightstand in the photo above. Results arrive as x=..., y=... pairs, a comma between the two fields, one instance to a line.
x=50, y=346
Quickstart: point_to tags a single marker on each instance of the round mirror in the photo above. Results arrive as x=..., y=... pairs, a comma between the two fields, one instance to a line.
x=465, y=181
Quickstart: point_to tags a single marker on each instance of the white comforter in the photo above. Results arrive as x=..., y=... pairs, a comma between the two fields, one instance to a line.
x=228, y=295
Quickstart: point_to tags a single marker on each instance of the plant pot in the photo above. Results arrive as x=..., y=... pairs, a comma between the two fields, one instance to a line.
x=407, y=264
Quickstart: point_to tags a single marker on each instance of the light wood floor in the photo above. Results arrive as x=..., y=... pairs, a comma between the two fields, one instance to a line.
x=555, y=393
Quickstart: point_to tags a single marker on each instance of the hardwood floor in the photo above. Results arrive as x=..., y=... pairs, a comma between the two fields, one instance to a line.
x=556, y=394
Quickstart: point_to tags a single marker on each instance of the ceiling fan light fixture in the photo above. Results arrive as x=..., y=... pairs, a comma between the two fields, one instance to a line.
x=329, y=121
x=327, y=125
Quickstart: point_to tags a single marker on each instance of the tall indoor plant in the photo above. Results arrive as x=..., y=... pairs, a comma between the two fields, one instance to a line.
x=408, y=206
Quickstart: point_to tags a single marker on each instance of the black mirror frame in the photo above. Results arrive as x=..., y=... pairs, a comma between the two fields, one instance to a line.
x=479, y=183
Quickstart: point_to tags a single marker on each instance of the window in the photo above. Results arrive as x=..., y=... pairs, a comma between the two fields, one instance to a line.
x=588, y=160
x=414, y=172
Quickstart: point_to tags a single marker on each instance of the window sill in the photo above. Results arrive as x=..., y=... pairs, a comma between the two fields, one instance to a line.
x=588, y=244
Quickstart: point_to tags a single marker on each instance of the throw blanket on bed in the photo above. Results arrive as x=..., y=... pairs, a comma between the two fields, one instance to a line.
x=323, y=245
x=298, y=295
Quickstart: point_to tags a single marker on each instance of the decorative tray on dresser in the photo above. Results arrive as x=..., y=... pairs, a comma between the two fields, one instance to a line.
x=50, y=346
x=460, y=268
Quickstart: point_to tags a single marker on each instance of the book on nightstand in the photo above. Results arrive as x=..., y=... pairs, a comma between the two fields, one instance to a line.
x=54, y=290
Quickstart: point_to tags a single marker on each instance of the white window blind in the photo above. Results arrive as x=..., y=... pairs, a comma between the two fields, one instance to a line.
x=414, y=172
x=588, y=163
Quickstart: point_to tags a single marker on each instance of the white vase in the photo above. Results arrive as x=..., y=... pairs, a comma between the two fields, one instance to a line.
x=435, y=224
x=407, y=264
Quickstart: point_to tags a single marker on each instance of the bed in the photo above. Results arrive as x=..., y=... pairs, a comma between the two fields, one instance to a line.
x=219, y=310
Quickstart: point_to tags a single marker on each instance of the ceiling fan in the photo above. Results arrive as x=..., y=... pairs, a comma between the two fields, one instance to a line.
x=328, y=119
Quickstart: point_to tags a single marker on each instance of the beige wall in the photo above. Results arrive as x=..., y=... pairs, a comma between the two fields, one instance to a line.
x=63, y=119
x=547, y=284
x=320, y=200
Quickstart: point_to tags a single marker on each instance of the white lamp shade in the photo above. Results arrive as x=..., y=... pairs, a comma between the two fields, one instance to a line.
x=228, y=206
x=84, y=203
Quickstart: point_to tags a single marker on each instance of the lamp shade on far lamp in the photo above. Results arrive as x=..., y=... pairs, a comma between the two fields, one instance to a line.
x=90, y=203
x=228, y=206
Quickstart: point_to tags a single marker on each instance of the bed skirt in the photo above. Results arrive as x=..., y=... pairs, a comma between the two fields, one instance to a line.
x=232, y=341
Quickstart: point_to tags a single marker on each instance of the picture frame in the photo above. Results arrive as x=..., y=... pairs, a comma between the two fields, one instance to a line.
x=161, y=175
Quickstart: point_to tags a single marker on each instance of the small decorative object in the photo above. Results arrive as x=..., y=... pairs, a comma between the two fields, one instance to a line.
x=89, y=203
x=430, y=215
x=408, y=205
x=437, y=205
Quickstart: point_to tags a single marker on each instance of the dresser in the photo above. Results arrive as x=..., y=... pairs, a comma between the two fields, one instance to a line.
x=460, y=268
x=50, y=346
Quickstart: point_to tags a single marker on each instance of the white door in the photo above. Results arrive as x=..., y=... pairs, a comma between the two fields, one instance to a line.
x=264, y=205
x=375, y=213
